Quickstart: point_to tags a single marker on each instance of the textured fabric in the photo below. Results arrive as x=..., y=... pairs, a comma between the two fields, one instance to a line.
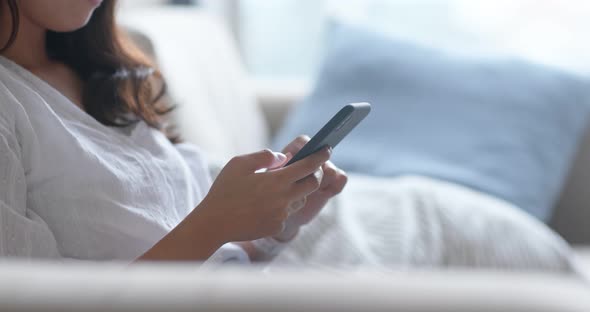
x=504, y=127
x=414, y=222
x=73, y=188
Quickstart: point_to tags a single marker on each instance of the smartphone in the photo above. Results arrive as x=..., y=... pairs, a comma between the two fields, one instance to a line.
x=335, y=130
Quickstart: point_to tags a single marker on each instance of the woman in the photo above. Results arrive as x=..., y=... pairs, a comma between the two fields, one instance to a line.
x=89, y=170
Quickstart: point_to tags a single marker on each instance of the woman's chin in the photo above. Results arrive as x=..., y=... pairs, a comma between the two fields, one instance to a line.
x=69, y=26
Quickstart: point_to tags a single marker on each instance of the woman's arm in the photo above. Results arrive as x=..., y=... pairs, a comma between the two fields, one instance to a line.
x=242, y=205
x=194, y=239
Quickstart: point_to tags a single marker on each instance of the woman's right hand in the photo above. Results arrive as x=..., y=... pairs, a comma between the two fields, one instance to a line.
x=246, y=205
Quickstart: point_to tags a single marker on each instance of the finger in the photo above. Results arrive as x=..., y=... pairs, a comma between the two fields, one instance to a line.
x=259, y=160
x=297, y=205
x=307, y=166
x=280, y=165
x=308, y=185
x=338, y=184
x=330, y=174
x=296, y=144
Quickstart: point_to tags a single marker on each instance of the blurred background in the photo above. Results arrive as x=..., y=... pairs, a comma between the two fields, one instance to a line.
x=282, y=39
x=489, y=94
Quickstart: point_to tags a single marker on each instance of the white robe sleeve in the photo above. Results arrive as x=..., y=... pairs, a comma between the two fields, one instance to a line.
x=198, y=165
x=23, y=234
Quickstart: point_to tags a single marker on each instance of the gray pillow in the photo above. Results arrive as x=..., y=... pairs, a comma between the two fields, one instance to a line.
x=504, y=127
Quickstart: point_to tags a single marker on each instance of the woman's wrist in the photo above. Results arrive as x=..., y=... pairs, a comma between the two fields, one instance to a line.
x=194, y=239
x=267, y=248
x=288, y=234
x=210, y=224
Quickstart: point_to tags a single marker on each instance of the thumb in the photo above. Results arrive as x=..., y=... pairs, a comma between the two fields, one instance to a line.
x=263, y=160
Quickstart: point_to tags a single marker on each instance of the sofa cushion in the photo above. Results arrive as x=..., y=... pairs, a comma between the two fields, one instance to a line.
x=217, y=108
x=501, y=126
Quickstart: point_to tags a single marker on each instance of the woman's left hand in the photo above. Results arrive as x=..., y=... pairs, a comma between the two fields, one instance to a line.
x=332, y=183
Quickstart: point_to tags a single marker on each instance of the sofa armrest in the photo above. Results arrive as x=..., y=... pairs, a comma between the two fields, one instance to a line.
x=277, y=98
x=168, y=287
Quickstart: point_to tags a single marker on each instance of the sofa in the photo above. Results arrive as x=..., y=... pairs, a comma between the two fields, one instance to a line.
x=230, y=114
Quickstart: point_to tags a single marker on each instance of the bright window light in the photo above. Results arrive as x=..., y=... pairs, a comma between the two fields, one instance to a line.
x=284, y=38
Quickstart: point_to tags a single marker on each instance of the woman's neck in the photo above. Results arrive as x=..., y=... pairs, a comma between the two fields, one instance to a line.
x=28, y=50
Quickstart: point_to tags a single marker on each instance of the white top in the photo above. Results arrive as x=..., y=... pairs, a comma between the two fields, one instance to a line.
x=71, y=187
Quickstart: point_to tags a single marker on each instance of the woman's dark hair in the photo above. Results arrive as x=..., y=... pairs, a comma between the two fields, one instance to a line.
x=121, y=84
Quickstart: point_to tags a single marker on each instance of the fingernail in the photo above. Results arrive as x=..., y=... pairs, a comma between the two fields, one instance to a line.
x=280, y=157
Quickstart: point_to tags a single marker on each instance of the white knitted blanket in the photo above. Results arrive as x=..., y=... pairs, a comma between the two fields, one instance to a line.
x=420, y=222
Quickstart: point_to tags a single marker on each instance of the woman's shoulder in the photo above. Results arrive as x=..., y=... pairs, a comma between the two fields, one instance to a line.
x=7, y=100
x=11, y=108
x=16, y=122
x=12, y=86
